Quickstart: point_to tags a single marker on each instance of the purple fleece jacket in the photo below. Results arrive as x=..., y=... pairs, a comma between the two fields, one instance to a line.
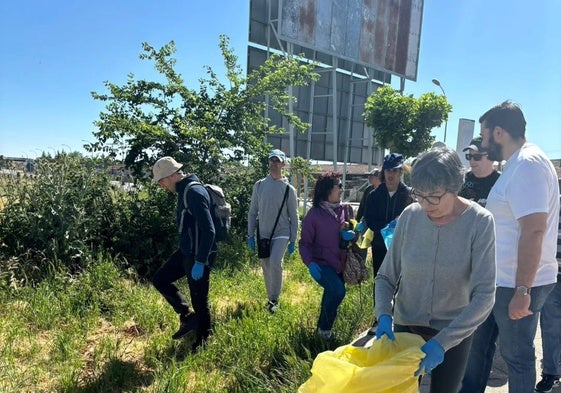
x=319, y=240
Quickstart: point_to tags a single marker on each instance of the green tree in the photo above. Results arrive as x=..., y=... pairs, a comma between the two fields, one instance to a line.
x=301, y=172
x=206, y=129
x=403, y=123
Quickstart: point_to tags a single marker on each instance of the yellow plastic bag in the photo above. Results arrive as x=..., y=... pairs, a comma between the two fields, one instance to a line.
x=365, y=239
x=385, y=367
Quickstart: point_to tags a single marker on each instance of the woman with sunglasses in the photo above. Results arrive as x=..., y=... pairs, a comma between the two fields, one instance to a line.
x=438, y=277
x=319, y=246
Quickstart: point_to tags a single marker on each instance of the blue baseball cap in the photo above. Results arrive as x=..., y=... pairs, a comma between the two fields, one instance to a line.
x=393, y=161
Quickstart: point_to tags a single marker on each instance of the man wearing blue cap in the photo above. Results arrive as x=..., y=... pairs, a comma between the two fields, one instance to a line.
x=385, y=204
x=273, y=219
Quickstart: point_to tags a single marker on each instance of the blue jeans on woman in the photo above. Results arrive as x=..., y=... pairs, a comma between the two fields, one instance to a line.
x=516, y=339
x=333, y=294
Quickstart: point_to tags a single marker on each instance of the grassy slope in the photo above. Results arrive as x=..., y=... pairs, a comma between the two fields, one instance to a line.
x=106, y=332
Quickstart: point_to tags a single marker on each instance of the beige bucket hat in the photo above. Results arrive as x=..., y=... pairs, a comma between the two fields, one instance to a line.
x=164, y=167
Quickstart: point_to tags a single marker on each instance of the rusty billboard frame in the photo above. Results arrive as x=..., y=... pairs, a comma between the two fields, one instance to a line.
x=333, y=106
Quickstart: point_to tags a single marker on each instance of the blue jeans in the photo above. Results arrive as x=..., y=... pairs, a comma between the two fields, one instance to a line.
x=550, y=324
x=333, y=294
x=516, y=339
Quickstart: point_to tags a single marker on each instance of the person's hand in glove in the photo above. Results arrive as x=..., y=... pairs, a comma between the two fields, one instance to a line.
x=360, y=226
x=347, y=234
x=434, y=356
x=251, y=242
x=291, y=248
x=385, y=327
x=197, y=270
x=315, y=271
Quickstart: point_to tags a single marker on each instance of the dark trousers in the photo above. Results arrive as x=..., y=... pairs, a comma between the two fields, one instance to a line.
x=179, y=266
x=447, y=376
x=378, y=255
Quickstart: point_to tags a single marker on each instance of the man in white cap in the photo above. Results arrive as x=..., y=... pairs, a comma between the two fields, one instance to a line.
x=196, y=253
x=479, y=181
x=273, y=215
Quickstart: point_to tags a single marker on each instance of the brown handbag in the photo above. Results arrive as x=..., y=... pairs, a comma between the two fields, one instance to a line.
x=355, y=270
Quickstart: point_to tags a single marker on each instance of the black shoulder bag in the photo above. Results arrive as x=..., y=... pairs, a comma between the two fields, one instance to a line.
x=264, y=245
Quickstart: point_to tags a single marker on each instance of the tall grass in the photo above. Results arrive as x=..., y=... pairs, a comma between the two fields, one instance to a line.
x=105, y=331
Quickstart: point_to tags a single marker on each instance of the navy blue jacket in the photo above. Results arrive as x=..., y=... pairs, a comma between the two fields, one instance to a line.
x=195, y=226
x=381, y=209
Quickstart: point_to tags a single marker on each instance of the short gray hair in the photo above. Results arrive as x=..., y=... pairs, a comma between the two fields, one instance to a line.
x=439, y=167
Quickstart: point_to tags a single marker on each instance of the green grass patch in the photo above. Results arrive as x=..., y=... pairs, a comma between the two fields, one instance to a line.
x=105, y=331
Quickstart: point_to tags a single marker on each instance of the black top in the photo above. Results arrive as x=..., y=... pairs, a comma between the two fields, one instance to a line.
x=381, y=209
x=477, y=188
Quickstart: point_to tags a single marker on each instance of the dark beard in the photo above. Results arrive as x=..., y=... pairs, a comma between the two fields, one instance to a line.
x=494, y=150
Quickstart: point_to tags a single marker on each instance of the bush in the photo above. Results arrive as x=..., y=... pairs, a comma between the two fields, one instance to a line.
x=57, y=215
x=69, y=210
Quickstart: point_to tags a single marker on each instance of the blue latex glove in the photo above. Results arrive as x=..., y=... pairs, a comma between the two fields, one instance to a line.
x=291, y=248
x=385, y=327
x=348, y=234
x=360, y=227
x=434, y=356
x=197, y=270
x=251, y=242
x=315, y=271
x=387, y=233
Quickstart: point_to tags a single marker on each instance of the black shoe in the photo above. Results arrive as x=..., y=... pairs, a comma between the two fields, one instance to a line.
x=187, y=323
x=547, y=383
x=272, y=306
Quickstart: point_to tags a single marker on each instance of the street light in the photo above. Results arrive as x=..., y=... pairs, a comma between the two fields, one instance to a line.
x=437, y=82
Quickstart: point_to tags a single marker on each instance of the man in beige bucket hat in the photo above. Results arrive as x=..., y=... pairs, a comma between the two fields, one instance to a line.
x=196, y=253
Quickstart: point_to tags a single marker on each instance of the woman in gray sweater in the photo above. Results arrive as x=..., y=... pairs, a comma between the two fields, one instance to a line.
x=438, y=277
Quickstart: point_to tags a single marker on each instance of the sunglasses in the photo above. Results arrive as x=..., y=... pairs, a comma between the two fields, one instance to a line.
x=475, y=157
x=340, y=185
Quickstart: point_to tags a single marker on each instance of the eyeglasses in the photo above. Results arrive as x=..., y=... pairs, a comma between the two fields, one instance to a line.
x=475, y=157
x=431, y=199
x=340, y=185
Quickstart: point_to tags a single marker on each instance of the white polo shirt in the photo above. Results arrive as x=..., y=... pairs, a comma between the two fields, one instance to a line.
x=527, y=185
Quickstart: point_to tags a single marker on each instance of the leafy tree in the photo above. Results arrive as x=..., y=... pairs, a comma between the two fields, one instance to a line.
x=403, y=123
x=206, y=129
x=302, y=172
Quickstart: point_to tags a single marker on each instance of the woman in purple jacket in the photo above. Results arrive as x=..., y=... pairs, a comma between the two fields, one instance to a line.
x=319, y=246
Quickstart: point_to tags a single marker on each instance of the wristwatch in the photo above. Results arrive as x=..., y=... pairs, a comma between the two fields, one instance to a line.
x=522, y=290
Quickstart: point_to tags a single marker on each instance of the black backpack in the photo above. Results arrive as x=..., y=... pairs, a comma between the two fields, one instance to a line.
x=220, y=209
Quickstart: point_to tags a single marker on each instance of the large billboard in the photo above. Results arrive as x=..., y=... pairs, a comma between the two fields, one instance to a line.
x=384, y=34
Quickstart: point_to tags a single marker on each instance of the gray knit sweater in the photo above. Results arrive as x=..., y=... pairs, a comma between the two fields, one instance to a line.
x=266, y=200
x=446, y=274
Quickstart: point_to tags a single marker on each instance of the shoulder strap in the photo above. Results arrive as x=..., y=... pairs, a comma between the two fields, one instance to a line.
x=186, y=209
x=187, y=188
x=347, y=212
x=280, y=209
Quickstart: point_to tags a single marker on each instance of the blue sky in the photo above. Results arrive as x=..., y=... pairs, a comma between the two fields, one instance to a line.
x=54, y=53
